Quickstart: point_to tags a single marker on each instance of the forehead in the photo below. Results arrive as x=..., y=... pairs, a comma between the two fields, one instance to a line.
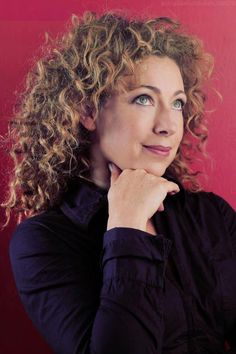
x=154, y=71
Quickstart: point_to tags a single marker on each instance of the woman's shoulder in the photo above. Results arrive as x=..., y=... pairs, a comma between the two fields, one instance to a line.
x=50, y=221
x=48, y=230
x=201, y=199
x=212, y=208
x=206, y=198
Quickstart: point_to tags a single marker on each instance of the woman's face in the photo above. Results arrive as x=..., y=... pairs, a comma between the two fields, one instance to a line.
x=142, y=128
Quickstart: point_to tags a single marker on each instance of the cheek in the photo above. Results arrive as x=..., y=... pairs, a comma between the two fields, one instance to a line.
x=181, y=134
x=181, y=130
x=113, y=139
x=128, y=132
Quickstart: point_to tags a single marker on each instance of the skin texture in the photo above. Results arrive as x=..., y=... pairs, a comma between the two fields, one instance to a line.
x=125, y=125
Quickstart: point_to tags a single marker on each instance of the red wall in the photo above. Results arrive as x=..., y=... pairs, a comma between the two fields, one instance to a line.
x=22, y=27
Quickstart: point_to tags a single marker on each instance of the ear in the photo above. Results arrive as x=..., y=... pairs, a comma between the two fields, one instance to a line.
x=88, y=122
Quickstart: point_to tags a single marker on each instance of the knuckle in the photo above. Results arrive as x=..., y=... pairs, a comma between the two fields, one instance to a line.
x=142, y=171
x=126, y=171
x=162, y=187
x=162, y=179
x=152, y=177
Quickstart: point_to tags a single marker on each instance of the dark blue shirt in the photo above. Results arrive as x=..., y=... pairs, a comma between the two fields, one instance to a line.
x=125, y=291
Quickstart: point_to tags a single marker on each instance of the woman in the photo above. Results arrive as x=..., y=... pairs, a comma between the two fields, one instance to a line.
x=117, y=256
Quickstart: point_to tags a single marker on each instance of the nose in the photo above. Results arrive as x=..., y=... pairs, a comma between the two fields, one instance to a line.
x=164, y=123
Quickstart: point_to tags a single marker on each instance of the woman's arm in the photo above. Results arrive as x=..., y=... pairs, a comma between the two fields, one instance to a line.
x=228, y=269
x=58, y=285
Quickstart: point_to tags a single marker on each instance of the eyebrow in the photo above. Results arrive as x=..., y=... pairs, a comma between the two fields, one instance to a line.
x=157, y=90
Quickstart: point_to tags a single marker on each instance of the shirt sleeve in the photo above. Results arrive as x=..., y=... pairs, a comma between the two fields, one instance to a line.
x=229, y=281
x=229, y=216
x=57, y=286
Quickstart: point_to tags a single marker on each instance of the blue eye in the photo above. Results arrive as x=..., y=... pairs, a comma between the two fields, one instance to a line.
x=178, y=104
x=143, y=100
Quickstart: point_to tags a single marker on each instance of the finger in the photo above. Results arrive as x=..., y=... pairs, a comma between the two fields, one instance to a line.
x=173, y=188
x=173, y=192
x=161, y=207
x=115, y=172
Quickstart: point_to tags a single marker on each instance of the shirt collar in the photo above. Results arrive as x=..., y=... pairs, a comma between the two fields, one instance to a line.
x=82, y=202
x=84, y=199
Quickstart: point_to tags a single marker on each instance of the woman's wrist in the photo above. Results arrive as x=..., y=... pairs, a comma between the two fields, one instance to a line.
x=135, y=224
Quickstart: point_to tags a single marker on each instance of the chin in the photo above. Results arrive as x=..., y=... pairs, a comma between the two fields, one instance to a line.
x=157, y=172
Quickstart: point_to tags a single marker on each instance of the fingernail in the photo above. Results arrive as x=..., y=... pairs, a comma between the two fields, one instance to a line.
x=110, y=166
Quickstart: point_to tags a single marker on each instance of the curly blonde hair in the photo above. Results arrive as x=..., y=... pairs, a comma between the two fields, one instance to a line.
x=50, y=146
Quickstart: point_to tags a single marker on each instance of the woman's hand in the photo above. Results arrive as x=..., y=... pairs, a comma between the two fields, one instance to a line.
x=134, y=196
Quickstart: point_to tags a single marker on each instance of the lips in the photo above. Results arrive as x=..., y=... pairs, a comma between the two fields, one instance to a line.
x=158, y=149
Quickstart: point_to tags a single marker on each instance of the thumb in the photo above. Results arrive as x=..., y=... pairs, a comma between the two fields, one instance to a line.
x=115, y=172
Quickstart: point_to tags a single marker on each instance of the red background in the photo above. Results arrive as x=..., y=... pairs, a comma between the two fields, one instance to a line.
x=22, y=27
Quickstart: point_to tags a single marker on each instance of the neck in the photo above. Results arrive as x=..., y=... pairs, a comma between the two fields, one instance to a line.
x=100, y=173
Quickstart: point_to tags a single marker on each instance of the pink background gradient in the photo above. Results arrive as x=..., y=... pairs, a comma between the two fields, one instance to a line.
x=22, y=27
